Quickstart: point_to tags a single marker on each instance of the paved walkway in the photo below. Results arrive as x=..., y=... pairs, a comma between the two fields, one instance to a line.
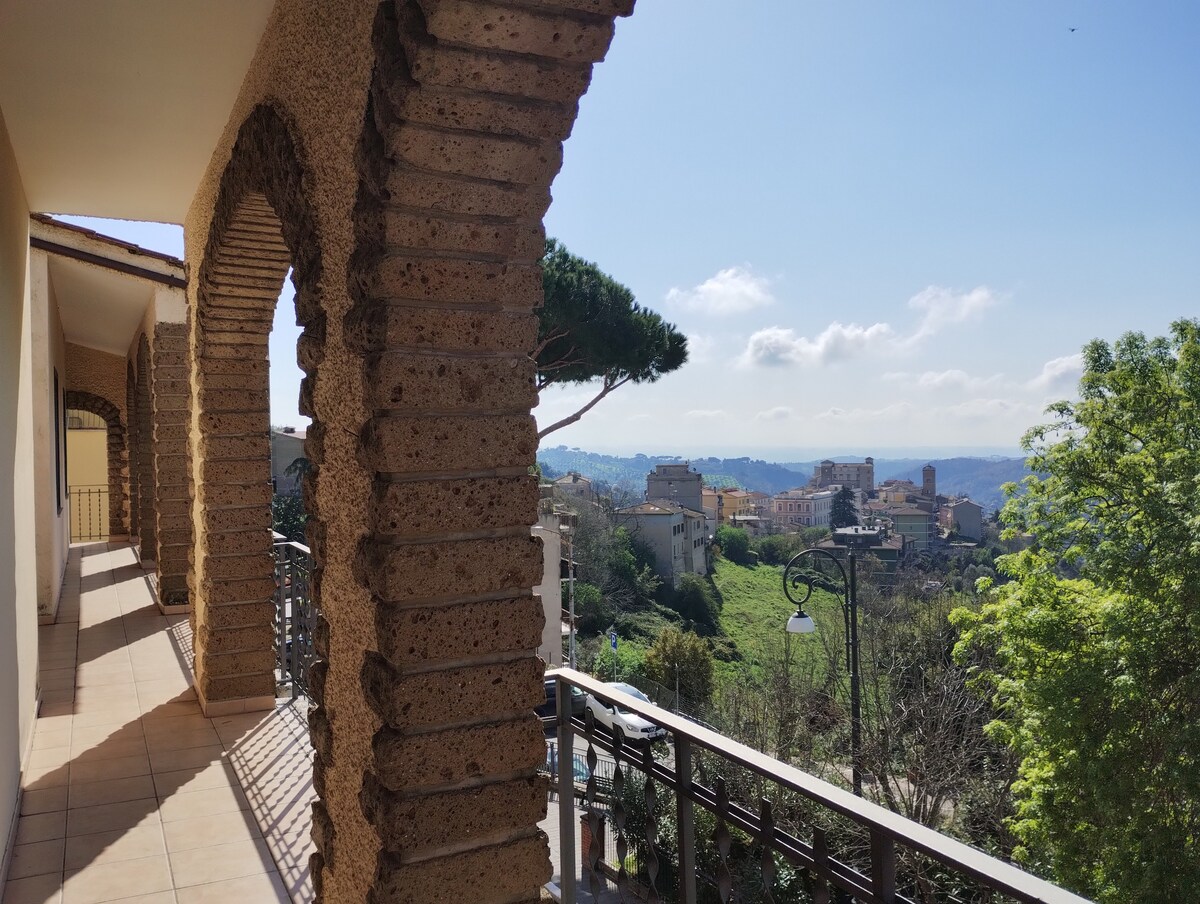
x=131, y=793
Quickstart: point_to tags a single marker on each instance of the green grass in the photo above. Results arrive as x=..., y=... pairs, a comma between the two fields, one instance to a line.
x=754, y=614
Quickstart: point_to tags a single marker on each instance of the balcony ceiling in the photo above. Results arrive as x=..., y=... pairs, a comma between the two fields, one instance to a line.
x=114, y=108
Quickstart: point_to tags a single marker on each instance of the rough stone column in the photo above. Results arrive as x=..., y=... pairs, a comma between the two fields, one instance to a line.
x=234, y=574
x=118, y=480
x=144, y=401
x=172, y=463
x=469, y=106
x=131, y=444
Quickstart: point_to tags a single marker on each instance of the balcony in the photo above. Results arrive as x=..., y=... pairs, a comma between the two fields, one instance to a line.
x=133, y=794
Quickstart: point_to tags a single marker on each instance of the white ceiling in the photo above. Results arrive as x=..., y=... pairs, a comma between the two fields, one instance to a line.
x=99, y=308
x=114, y=107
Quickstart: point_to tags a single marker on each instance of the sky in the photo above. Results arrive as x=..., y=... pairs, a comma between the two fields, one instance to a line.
x=883, y=227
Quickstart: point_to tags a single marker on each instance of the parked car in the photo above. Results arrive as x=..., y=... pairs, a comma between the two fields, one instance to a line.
x=549, y=709
x=631, y=725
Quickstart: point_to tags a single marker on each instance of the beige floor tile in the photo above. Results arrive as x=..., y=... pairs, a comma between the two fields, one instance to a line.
x=112, y=696
x=36, y=859
x=113, y=881
x=97, y=734
x=169, y=710
x=53, y=679
x=44, y=739
x=216, y=775
x=199, y=803
x=48, y=722
x=45, y=800
x=111, y=847
x=176, y=724
x=181, y=740
x=210, y=831
x=38, y=777
x=34, y=890
x=190, y=758
x=265, y=888
x=112, y=791
x=158, y=897
x=58, y=697
x=103, y=770
x=56, y=710
x=107, y=676
x=200, y=866
x=111, y=817
x=52, y=756
x=114, y=715
x=107, y=750
x=41, y=827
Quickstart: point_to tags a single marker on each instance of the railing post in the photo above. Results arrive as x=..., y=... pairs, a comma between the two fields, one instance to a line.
x=281, y=656
x=883, y=868
x=685, y=821
x=566, y=793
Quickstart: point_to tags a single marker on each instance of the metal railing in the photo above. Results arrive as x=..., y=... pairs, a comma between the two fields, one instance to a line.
x=89, y=512
x=703, y=818
x=295, y=614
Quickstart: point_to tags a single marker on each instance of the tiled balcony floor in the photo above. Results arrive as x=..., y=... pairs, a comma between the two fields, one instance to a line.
x=131, y=794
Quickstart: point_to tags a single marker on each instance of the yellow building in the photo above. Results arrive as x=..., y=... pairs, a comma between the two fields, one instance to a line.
x=87, y=475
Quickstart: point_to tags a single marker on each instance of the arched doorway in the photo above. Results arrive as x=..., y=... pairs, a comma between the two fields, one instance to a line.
x=107, y=513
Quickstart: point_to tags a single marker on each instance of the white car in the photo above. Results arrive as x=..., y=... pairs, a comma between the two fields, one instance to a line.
x=631, y=725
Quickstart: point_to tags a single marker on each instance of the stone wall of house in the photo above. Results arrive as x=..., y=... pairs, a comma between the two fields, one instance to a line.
x=398, y=157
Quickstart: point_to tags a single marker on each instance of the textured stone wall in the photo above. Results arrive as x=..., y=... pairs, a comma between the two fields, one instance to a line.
x=172, y=472
x=234, y=577
x=132, y=445
x=117, y=452
x=403, y=153
x=144, y=415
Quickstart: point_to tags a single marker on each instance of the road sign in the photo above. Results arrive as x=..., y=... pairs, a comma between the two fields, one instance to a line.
x=612, y=639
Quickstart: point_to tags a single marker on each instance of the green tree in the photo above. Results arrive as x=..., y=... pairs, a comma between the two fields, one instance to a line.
x=1092, y=651
x=843, y=513
x=735, y=544
x=683, y=655
x=696, y=601
x=590, y=329
x=288, y=516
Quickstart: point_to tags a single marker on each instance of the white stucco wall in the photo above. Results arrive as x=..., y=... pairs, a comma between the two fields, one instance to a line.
x=550, y=590
x=47, y=355
x=18, y=612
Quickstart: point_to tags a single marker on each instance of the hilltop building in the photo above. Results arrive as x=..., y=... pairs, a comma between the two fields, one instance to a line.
x=802, y=507
x=675, y=534
x=859, y=475
x=963, y=516
x=676, y=483
x=575, y=485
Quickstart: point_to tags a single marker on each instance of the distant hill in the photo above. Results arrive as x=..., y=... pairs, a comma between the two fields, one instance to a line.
x=979, y=478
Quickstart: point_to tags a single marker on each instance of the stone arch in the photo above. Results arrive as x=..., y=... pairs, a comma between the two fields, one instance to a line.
x=118, y=455
x=260, y=226
x=144, y=416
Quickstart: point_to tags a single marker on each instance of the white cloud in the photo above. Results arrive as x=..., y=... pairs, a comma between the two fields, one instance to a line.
x=987, y=408
x=705, y=413
x=776, y=346
x=700, y=348
x=1058, y=372
x=942, y=307
x=778, y=413
x=732, y=291
x=895, y=411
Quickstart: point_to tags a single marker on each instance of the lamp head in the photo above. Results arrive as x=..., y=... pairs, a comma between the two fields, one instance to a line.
x=801, y=623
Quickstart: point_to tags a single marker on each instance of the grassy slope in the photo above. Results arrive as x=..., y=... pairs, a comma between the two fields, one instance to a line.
x=754, y=613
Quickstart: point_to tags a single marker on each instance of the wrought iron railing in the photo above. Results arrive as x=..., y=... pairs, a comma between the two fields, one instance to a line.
x=89, y=513
x=295, y=614
x=703, y=818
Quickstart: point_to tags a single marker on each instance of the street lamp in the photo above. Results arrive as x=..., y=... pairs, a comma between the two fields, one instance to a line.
x=802, y=623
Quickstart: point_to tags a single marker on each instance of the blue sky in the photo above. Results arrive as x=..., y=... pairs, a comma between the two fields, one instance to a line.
x=883, y=226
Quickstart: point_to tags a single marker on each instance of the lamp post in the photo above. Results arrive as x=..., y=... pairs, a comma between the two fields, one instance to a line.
x=802, y=623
